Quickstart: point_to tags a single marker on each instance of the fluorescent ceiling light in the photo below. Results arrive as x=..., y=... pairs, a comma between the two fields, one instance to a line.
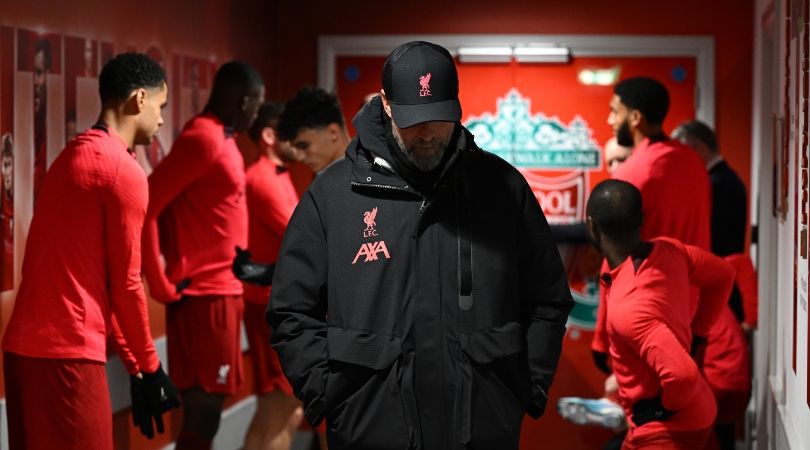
x=485, y=54
x=526, y=54
x=542, y=54
x=599, y=77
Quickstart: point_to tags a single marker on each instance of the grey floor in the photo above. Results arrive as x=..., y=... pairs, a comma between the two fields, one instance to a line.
x=303, y=441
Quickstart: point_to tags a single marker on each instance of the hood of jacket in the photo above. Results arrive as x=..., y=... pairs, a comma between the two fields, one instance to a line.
x=375, y=148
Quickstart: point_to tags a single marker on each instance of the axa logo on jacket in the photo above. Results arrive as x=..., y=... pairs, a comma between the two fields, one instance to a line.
x=371, y=250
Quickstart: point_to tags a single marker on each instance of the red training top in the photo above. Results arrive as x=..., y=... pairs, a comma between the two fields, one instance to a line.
x=675, y=191
x=726, y=364
x=83, y=257
x=649, y=332
x=747, y=284
x=271, y=200
x=676, y=196
x=198, y=193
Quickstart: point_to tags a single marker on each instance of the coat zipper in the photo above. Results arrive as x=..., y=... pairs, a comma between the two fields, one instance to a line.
x=422, y=208
x=383, y=186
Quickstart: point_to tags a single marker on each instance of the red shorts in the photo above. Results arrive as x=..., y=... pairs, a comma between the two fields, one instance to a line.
x=672, y=440
x=203, y=337
x=267, y=373
x=57, y=403
x=731, y=405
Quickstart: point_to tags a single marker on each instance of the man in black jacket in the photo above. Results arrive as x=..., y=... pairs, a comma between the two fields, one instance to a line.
x=418, y=301
x=729, y=203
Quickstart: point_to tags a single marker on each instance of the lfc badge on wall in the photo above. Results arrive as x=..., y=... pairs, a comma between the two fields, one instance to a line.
x=555, y=158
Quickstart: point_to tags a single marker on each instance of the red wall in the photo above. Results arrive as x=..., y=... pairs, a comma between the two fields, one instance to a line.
x=206, y=28
x=203, y=27
x=730, y=22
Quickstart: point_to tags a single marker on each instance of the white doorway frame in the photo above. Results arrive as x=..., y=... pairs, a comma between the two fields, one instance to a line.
x=330, y=47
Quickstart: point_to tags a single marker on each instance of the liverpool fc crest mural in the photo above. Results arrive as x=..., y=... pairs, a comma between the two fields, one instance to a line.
x=556, y=158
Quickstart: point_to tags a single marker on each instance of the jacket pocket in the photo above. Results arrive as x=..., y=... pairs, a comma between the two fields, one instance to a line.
x=364, y=408
x=499, y=386
x=487, y=345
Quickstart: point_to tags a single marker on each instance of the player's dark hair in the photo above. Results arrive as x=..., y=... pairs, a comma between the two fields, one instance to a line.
x=310, y=108
x=647, y=95
x=697, y=131
x=127, y=72
x=234, y=79
x=616, y=208
x=267, y=117
x=43, y=45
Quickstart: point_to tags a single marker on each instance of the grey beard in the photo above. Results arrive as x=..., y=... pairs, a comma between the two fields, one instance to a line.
x=425, y=163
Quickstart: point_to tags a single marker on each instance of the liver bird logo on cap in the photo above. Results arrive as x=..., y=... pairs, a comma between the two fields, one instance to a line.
x=424, y=82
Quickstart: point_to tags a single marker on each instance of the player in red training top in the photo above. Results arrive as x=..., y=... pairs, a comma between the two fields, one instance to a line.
x=671, y=177
x=271, y=199
x=81, y=278
x=197, y=195
x=649, y=327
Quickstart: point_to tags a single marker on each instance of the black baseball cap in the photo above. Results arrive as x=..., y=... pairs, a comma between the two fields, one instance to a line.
x=421, y=83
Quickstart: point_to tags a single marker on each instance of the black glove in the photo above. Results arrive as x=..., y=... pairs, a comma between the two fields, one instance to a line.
x=698, y=350
x=141, y=417
x=152, y=395
x=184, y=283
x=601, y=361
x=537, y=406
x=649, y=410
x=252, y=272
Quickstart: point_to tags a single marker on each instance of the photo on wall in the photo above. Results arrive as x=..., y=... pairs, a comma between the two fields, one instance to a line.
x=107, y=53
x=81, y=85
x=7, y=149
x=193, y=77
x=39, y=64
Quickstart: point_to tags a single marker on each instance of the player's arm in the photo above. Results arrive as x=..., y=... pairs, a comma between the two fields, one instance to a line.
x=124, y=209
x=297, y=309
x=746, y=280
x=661, y=351
x=715, y=278
x=124, y=202
x=599, y=342
x=119, y=345
x=545, y=299
x=676, y=370
x=569, y=233
x=191, y=156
